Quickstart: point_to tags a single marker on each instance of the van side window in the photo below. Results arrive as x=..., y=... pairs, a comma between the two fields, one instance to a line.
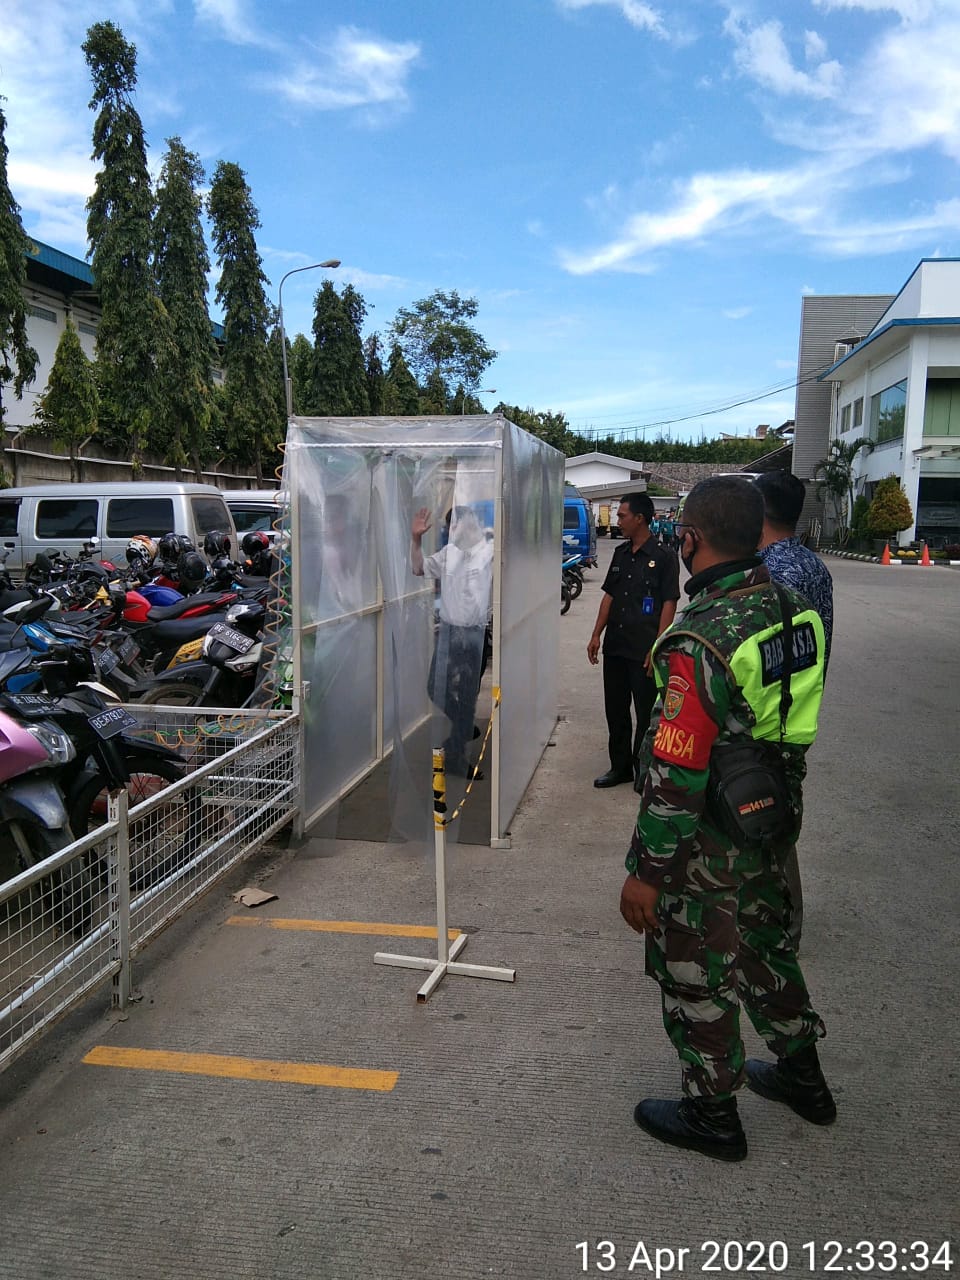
x=127, y=516
x=254, y=519
x=9, y=511
x=210, y=514
x=571, y=517
x=67, y=518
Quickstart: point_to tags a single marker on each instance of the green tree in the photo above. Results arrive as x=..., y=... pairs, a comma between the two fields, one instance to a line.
x=339, y=383
x=181, y=263
x=401, y=395
x=253, y=426
x=119, y=229
x=433, y=397
x=18, y=360
x=376, y=376
x=834, y=476
x=437, y=338
x=551, y=427
x=300, y=368
x=890, y=510
x=68, y=408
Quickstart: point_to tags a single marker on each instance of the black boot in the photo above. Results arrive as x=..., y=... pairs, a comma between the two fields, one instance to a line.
x=797, y=1081
x=708, y=1125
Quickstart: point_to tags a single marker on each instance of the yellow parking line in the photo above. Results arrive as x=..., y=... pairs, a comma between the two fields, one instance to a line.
x=213, y=1064
x=345, y=926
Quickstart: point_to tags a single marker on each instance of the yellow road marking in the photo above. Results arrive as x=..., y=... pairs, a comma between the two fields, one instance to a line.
x=344, y=926
x=213, y=1064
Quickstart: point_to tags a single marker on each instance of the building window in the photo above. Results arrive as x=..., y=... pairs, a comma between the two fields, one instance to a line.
x=858, y=412
x=845, y=419
x=888, y=410
x=89, y=329
x=41, y=313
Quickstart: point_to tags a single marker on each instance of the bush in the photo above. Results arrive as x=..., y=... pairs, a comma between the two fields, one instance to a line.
x=858, y=518
x=890, y=509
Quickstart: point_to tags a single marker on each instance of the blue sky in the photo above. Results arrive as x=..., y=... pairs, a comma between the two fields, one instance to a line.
x=637, y=193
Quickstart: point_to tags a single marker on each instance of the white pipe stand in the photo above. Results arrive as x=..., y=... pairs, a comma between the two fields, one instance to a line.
x=446, y=961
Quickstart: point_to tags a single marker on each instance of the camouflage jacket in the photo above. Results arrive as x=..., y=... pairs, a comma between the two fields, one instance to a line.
x=704, y=707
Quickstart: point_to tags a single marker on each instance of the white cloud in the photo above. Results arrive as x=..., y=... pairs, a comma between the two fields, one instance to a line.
x=738, y=313
x=908, y=10
x=233, y=21
x=858, y=141
x=761, y=53
x=357, y=70
x=642, y=16
x=814, y=46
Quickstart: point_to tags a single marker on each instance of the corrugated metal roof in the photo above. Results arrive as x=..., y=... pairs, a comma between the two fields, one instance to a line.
x=57, y=260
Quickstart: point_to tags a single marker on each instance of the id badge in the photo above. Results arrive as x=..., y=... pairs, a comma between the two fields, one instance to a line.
x=647, y=604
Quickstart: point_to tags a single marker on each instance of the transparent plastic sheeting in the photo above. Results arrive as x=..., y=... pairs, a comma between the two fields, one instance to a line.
x=376, y=639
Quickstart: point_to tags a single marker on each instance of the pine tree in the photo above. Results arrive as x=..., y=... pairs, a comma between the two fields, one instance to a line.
x=300, y=358
x=119, y=229
x=252, y=425
x=182, y=264
x=401, y=395
x=334, y=346
x=890, y=510
x=433, y=399
x=376, y=378
x=68, y=408
x=18, y=360
x=356, y=370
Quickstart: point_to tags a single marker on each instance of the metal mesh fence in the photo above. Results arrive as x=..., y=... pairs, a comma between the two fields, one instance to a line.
x=74, y=919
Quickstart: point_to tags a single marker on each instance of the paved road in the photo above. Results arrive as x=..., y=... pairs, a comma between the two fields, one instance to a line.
x=507, y=1136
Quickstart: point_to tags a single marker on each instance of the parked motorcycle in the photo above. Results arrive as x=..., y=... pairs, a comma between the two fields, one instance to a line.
x=33, y=812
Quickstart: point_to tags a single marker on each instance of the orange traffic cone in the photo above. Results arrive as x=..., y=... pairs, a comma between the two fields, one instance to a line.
x=885, y=554
x=925, y=558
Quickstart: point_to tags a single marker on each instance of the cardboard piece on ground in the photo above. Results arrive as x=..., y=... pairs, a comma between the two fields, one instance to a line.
x=250, y=897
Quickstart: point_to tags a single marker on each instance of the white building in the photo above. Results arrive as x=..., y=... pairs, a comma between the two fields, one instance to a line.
x=900, y=387
x=600, y=470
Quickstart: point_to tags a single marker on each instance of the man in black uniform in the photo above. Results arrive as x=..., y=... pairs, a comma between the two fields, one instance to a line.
x=640, y=594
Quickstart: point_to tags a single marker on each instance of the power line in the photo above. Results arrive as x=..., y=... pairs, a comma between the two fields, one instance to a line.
x=706, y=413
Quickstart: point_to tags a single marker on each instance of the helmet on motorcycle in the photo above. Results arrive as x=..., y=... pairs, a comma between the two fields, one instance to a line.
x=141, y=549
x=216, y=544
x=191, y=570
x=169, y=548
x=253, y=543
x=185, y=543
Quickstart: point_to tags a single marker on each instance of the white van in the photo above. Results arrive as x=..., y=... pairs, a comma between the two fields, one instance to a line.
x=256, y=509
x=61, y=517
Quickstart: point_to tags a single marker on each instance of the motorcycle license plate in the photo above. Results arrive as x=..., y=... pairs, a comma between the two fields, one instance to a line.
x=108, y=660
x=229, y=636
x=109, y=723
x=30, y=703
x=129, y=650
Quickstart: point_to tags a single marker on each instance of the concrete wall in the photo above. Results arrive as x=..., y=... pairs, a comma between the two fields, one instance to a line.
x=35, y=459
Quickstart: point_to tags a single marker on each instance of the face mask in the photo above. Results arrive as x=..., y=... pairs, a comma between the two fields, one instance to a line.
x=688, y=559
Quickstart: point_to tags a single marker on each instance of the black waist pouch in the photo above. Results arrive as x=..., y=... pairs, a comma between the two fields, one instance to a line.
x=747, y=794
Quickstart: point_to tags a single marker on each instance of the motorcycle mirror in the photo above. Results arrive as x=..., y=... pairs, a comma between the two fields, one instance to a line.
x=28, y=610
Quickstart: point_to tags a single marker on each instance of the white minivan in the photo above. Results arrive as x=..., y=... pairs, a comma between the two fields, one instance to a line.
x=62, y=517
x=262, y=510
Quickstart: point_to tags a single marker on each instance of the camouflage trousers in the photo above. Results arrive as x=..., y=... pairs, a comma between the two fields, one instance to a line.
x=724, y=941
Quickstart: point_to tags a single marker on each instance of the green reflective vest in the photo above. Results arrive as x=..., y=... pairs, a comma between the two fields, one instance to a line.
x=744, y=630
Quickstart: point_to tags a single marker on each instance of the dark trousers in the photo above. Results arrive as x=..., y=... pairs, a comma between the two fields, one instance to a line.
x=454, y=682
x=625, y=682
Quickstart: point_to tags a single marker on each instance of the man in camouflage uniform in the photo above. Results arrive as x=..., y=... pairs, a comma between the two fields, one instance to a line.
x=715, y=916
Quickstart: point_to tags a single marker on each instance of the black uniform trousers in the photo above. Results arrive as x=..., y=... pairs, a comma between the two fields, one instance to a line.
x=625, y=682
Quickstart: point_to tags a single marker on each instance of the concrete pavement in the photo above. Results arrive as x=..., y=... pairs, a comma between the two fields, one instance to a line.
x=505, y=1145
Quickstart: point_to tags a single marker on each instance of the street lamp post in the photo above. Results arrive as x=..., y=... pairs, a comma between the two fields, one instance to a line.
x=287, y=382
x=481, y=391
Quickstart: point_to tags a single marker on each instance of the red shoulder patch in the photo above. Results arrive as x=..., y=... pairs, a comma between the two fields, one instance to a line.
x=686, y=733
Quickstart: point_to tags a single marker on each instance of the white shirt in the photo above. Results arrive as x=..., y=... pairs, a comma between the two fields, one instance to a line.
x=466, y=579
